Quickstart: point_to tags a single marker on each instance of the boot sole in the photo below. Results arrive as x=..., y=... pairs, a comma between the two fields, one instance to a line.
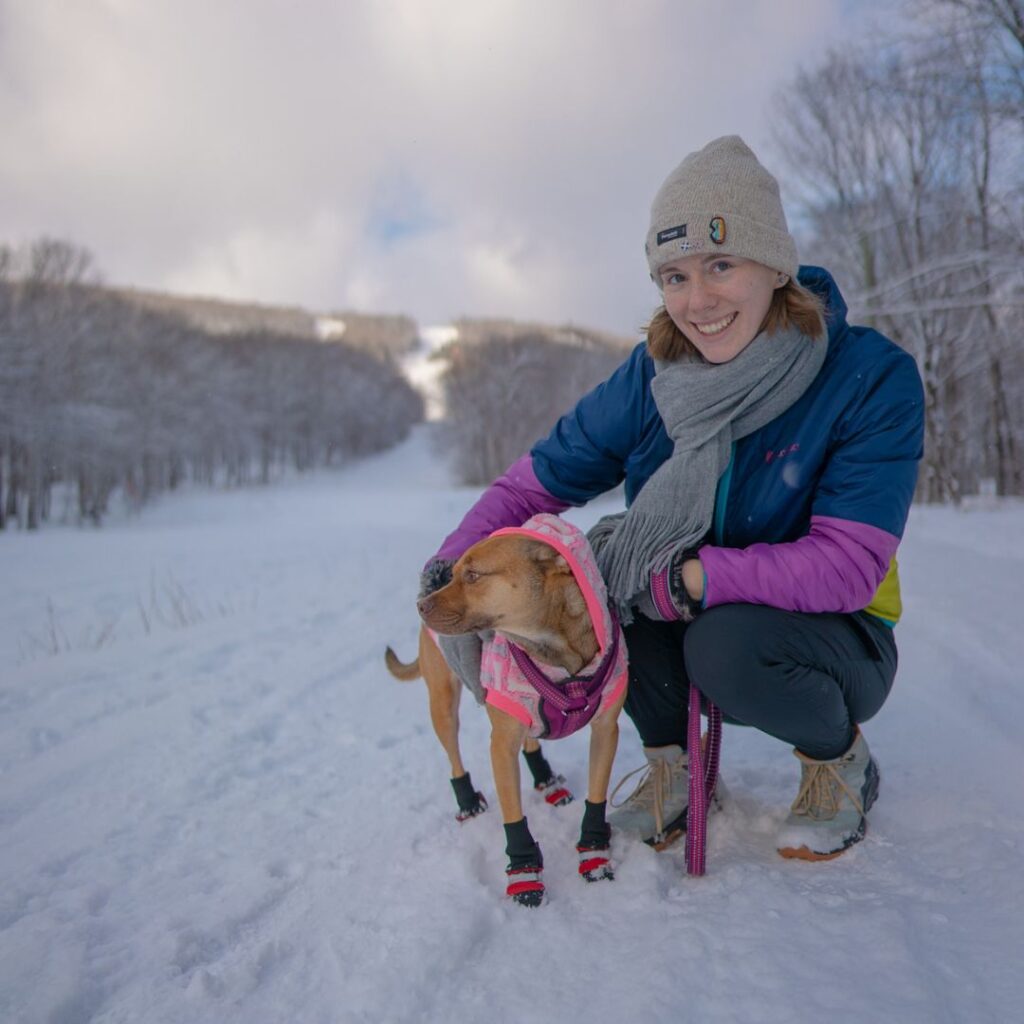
x=802, y=853
x=673, y=830
x=670, y=839
x=805, y=853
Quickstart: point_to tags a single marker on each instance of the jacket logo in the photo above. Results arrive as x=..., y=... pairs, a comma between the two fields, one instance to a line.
x=780, y=453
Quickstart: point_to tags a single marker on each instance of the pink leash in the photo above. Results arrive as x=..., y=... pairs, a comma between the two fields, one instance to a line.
x=703, y=779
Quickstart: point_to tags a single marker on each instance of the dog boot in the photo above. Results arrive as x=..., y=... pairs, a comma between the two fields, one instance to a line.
x=555, y=791
x=550, y=786
x=525, y=866
x=656, y=810
x=827, y=816
x=594, y=845
x=471, y=801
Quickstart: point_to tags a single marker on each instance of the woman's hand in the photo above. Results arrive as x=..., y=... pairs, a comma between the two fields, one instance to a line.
x=686, y=584
x=692, y=575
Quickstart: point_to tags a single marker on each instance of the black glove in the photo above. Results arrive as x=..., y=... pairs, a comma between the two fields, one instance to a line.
x=437, y=573
x=688, y=607
x=667, y=599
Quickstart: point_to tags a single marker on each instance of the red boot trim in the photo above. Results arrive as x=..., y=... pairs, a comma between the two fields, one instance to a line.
x=555, y=791
x=594, y=863
x=525, y=886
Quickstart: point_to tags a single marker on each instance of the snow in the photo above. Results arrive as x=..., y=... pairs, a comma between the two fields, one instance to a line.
x=217, y=806
x=424, y=370
x=330, y=328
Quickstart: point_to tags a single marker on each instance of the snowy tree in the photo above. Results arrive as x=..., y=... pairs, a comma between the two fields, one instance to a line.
x=99, y=393
x=505, y=393
x=909, y=165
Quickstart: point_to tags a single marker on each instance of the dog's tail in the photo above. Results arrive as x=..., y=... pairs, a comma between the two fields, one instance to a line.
x=406, y=673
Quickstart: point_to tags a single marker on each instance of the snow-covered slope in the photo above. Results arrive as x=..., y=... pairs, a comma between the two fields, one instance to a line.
x=424, y=369
x=216, y=806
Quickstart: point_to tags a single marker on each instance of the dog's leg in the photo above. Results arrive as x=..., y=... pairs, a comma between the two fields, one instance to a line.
x=604, y=741
x=445, y=691
x=595, y=833
x=550, y=785
x=525, y=861
x=506, y=738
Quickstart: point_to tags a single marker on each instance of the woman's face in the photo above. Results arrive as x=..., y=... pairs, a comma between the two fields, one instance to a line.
x=718, y=302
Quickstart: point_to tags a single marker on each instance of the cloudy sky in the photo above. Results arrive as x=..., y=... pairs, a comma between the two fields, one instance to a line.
x=432, y=157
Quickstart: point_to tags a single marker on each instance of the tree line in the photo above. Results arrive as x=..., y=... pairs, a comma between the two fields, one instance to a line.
x=504, y=389
x=908, y=155
x=100, y=395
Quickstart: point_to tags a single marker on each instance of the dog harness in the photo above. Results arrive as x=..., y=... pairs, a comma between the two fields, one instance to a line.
x=546, y=698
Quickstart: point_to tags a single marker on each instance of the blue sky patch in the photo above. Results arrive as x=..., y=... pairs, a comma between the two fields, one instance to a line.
x=401, y=210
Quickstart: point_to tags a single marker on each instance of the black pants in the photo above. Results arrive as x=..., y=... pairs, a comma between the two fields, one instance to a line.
x=806, y=679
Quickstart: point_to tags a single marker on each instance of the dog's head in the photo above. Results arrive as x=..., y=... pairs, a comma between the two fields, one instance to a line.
x=507, y=583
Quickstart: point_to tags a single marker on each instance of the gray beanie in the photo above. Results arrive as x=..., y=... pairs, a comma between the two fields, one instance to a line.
x=720, y=199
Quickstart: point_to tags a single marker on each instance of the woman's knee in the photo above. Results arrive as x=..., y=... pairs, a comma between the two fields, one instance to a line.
x=724, y=651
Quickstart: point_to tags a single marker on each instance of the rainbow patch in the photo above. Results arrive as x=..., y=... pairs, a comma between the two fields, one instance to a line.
x=716, y=230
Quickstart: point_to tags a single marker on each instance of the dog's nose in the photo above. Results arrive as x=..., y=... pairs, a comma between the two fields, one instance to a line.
x=424, y=604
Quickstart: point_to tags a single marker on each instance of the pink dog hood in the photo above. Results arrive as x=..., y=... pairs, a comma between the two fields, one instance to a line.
x=505, y=683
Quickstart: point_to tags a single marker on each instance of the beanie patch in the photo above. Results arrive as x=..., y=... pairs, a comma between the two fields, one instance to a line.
x=669, y=234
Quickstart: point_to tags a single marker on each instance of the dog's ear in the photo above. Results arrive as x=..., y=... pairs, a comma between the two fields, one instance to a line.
x=548, y=558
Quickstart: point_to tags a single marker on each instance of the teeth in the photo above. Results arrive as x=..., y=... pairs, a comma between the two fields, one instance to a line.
x=717, y=326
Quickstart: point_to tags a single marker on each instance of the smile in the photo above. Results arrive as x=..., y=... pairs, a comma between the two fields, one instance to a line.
x=717, y=327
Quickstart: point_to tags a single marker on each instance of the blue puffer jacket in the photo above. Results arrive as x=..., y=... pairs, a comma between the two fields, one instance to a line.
x=812, y=507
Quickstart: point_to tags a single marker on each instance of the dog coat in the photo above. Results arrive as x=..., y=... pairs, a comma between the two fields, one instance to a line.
x=565, y=705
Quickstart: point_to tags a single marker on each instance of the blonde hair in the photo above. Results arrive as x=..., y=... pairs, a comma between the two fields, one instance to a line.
x=792, y=306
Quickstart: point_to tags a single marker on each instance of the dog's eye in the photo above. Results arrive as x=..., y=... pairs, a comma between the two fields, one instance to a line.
x=471, y=576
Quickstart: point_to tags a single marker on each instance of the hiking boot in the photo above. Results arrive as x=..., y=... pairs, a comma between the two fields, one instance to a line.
x=827, y=816
x=656, y=810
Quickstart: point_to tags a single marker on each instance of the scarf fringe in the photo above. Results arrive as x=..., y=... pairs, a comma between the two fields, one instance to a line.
x=629, y=549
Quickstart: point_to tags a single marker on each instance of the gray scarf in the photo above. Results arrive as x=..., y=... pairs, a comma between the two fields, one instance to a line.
x=705, y=407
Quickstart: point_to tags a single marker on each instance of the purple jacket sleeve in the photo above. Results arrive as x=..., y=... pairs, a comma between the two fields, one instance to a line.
x=512, y=499
x=837, y=567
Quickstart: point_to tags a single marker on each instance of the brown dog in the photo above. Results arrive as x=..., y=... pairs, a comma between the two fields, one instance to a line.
x=526, y=590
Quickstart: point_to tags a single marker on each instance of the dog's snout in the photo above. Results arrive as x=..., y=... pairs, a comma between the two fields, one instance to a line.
x=425, y=604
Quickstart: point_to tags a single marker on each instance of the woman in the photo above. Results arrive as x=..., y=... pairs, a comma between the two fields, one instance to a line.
x=769, y=453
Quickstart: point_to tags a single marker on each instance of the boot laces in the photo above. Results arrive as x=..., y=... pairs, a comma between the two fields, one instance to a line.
x=651, y=789
x=820, y=787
